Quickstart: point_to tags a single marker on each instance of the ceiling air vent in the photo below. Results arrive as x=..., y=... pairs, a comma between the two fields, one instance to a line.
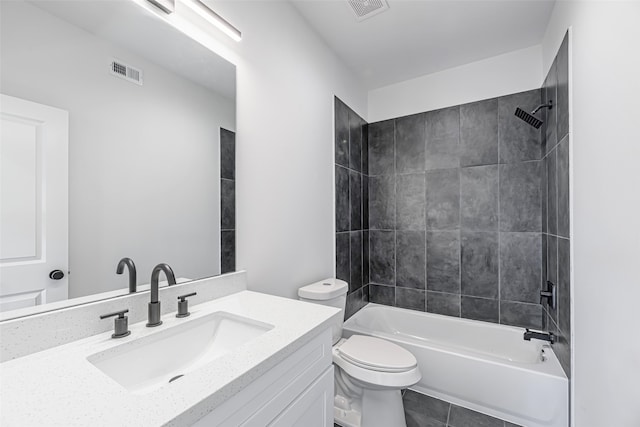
x=364, y=9
x=127, y=72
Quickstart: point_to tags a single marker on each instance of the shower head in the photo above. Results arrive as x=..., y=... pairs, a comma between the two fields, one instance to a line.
x=530, y=118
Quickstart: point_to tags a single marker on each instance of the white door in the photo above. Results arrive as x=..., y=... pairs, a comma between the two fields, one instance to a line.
x=34, y=141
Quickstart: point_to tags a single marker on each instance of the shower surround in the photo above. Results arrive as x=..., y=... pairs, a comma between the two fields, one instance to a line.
x=455, y=212
x=462, y=211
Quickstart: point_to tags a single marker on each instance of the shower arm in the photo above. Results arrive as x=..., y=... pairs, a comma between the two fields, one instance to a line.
x=540, y=107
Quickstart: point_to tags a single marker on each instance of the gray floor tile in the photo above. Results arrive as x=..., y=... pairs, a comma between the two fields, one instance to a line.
x=463, y=417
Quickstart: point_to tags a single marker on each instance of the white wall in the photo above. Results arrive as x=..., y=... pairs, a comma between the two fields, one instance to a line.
x=141, y=157
x=286, y=80
x=512, y=72
x=606, y=206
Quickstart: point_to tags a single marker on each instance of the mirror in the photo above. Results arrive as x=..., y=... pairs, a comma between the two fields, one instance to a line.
x=114, y=129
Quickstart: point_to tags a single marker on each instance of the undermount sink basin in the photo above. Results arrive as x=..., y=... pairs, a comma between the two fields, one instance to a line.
x=146, y=364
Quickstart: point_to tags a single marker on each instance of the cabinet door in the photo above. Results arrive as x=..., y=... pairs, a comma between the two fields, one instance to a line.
x=313, y=408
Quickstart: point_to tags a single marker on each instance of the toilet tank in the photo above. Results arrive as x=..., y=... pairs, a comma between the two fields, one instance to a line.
x=331, y=292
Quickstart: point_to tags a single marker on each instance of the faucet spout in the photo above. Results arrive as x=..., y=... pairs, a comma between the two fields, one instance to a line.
x=155, y=276
x=544, y=336
x=154, y=304
x=131, y=266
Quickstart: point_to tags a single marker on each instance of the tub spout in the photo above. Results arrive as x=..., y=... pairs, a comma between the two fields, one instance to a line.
x=544, y=336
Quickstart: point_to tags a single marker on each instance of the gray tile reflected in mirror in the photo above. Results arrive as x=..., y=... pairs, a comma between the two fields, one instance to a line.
x=227, y=154
x=228, y=204
x=228, y=249
x=227, y=201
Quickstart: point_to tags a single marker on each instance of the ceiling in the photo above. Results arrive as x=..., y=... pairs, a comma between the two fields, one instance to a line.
x=419, y=37
x=130, y=26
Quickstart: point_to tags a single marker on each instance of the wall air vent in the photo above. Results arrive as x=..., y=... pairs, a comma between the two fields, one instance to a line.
x=365, y=9
x=124, y=71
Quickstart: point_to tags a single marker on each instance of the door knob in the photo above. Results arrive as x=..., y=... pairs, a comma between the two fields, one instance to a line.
x=56, y=275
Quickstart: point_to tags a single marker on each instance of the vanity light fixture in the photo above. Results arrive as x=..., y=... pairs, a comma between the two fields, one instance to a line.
x=223, y=25
x=167, y=6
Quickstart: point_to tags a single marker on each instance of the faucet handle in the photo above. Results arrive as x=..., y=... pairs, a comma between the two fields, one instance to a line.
x=121, y=323
x=183, y=304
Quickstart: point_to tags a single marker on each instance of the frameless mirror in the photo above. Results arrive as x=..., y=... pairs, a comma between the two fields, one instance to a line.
x=114, y=126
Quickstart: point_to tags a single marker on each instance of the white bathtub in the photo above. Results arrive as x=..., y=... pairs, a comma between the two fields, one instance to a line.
x=482, y=366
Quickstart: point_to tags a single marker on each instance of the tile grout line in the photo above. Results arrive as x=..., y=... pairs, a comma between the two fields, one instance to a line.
x=395, y=225
x=499, y=223
x=459, y=217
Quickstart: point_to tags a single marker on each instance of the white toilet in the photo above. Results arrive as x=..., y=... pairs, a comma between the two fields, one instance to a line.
x=370, y=372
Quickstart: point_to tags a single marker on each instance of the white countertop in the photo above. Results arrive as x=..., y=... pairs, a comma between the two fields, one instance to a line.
x=60, y=387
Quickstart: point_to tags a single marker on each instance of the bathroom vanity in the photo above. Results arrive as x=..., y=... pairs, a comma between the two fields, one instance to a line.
x=242, y=359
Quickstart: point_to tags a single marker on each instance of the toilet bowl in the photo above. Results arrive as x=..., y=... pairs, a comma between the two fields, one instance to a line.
x=370, y=372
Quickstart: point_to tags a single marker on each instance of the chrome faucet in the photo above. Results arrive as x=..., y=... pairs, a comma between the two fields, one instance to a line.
x=154, y=305
x=128, y=262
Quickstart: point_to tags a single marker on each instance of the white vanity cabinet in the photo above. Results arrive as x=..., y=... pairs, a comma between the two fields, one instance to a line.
x=296, y=392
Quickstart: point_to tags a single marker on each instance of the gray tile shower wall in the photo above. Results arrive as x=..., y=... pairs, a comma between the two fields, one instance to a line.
x=555, y=209
x=455, y=209
x=227, y=201
x=352, y=211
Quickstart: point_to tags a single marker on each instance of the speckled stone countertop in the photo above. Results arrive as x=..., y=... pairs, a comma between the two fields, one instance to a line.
x=60, y=387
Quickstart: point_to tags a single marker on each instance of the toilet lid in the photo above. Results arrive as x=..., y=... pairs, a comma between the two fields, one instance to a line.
x=377, y=354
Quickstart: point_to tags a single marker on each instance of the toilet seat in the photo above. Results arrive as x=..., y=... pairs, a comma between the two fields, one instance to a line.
x=376, y=370
x=376, y=354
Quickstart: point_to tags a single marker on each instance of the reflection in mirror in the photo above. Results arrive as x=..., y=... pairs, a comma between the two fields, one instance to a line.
x=111, y=149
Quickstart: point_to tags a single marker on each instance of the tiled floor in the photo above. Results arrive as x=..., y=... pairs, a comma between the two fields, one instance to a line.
x=425, y=411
